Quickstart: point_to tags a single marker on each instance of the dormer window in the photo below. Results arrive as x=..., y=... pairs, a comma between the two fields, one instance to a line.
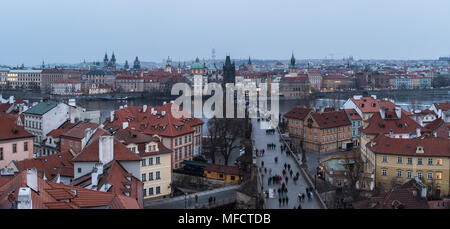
x=419, y=149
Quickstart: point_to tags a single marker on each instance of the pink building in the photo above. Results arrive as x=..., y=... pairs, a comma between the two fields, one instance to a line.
x=15, y=142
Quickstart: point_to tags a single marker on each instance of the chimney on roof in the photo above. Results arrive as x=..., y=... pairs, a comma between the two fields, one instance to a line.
x=11, y=99
x=87, y=136
x=106, y=149
x=111, y=117
x=124, y=125
x=24, y=199
x=32, y=179
x=382, y=112
x=420, y=121
x=144, y=108
x=418, y=132
x=58, y=178
x=434, y=133
x=391, y=133
x=398, y=112
x=96, y=172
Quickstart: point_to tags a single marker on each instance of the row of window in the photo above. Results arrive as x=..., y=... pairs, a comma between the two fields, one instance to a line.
x=439, y=161
x=70, y=143
x=179, y=141
x=150, y=176
x=34, y=125
x=150, y=161
x=178, y=153
x=14, y=149
x=409, y=174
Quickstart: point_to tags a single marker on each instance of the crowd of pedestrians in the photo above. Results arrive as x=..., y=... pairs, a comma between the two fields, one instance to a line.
x=279, y=182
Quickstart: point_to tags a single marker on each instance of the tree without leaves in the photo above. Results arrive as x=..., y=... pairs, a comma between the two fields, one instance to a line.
x=227, y=135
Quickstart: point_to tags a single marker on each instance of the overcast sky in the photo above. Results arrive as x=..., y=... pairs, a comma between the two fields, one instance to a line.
x=68, y=31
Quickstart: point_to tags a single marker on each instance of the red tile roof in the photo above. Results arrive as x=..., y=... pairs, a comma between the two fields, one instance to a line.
x=52, y=165
x=400, y=198
x=298, y=113
x=162, y=125
x=115, y=175
x=298, y=79
x=396, y=146
x=371, y=105
x=78, y=131
x=430, y=127
x=443, y=106
x=232, y=170
x=331, y=119
x=10, y=130
x=123, y=202
x=404, y=125
x=353, y=114
x=90, y=152
x=128, y=136
x=56, y=133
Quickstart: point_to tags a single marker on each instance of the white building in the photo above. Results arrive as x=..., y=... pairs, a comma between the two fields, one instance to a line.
x=31, y=79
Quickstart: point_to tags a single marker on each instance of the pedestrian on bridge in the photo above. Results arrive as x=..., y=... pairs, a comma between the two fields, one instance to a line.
x=262, y=164
x=196, y=199
x=214, y=200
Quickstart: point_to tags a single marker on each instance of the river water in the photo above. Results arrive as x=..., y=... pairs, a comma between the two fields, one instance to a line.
x=106, y=107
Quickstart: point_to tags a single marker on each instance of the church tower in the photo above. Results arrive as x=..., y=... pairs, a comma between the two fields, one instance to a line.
x=126, y=66
x=292, y=67
x=136, y=64
x=112, y=63
x=250, y=65
x=105, y=61
x=229, y=71
x=168, y=65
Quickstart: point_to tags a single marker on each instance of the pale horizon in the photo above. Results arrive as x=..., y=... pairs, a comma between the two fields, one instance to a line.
x=72, y=31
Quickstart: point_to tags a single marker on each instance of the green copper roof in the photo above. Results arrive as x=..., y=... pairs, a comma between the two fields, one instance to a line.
x=197, y=65
x=212, y=67
x=41, y=108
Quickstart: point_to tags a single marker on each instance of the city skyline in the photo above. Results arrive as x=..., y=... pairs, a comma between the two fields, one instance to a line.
x=73, y=31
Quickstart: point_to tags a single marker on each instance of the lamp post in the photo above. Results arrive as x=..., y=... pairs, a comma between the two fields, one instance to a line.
x=185, y=197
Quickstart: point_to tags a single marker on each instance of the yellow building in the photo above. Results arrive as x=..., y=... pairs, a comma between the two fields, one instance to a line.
x=326, y=131
x=155, y=169
x=229, y=174
x=399, y=160
x=294, y=120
